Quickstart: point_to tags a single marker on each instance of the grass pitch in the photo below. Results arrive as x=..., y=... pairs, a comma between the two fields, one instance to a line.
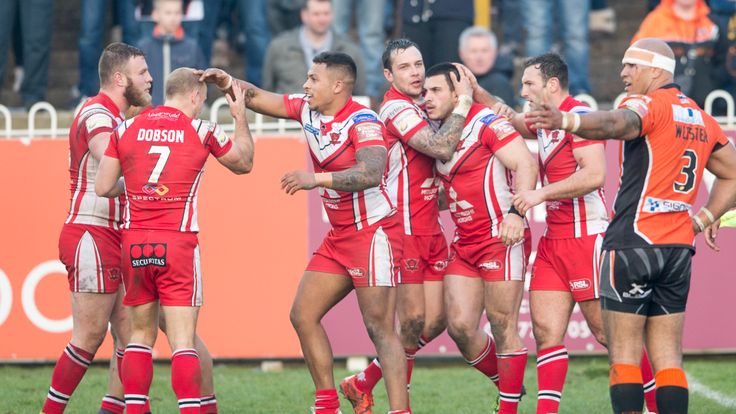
x=437, y=388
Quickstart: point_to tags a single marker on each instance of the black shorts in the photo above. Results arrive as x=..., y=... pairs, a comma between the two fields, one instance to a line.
x=646, y=281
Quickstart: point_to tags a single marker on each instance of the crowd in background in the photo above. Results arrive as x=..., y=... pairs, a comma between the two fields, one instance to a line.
x=278, y=38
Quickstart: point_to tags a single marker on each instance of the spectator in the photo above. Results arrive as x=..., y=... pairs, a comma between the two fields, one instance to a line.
x=479, y=52
x=255, y=27
x=283, y=15
x=602, y=18
x=35, y=30
x=724, y=65
x=91, y=36
x=169, y=48
x=369, y=18
x=692, y=35
x=290, y=54
x=571, y=17
x=436, y=26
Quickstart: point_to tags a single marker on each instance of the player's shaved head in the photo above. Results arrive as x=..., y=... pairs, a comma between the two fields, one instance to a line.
x=181, y=82
x=655, y=45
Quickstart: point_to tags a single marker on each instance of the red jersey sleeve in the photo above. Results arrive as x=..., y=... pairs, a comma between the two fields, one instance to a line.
x=98, y=123
x=366, y=130
x=294, y=104
x=217, y=141
x=498, y=133
x=112, y=146
x=406, y=122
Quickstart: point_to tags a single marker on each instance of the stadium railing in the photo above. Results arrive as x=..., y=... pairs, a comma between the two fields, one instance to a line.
x=263, y=127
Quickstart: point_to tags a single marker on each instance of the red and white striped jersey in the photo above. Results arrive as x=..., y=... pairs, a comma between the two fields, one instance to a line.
x=574, y=217
x=162, y=153
x=411, y=181
x=98, y=115
x=477, y=185
x=333, y=142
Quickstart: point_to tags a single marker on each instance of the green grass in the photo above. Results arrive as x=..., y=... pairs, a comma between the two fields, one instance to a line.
x=436, y=388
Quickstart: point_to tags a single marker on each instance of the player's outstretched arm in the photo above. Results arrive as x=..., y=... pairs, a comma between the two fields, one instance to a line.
x=623, y=124
x=108, y=174
x=264, y=102
x=590, y=176
x=722, y=163
x=240, y=157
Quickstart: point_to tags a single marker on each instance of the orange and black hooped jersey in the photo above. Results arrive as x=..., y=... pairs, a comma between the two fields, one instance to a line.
x=661, y=170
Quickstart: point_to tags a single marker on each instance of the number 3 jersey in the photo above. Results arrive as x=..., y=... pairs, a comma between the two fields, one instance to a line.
x=162, y=154
x=661, y=170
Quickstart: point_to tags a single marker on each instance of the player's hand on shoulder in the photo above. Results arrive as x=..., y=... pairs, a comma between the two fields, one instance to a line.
x=294, y=181
x=237, y=105
x=526, y=199
x=511, y=230
x=502, y=109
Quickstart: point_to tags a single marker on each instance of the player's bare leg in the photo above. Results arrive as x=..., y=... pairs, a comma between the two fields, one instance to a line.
x=378, y=307
x=550, y=312
x=664, y=339
x=411, y=312
x=503, y=300
x=318, y=293
x=113, y=402
x=90, y=315
x=464, y=306
x=591, y=310
x=625, y=337
x=435, y=318
x=138, y=359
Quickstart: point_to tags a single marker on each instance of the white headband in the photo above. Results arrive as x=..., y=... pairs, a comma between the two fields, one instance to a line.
x=644, y=57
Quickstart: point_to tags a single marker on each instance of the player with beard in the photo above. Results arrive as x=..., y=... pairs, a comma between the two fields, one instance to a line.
x=414, y=143
x=89, y=245
x=362, y=251
x=491, y=247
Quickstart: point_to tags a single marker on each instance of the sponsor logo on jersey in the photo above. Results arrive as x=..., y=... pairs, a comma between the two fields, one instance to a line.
x=311, y=129
x=148, y=254
x=503, y=129
x=406, y=121
x=171, y=116
x=659, y=205
x=639, y=104
x=580, y=284
x=98, y=121
x=411, y=265
x=462, y=209
x=490, y=265
x=151, y=189
x=366, y=117
x=368, y=131
x=356, y=272
x=687, y=115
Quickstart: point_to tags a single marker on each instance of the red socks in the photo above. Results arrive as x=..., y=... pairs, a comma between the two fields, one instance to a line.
x=186, y=377
x=487, y=362
x=208, y=404
x=68, y=372
x=112, y=404
x=325, y=401
x=137, y=369
x=551, y=372
x=511, y=377
x=370, y=377
x=647, y=376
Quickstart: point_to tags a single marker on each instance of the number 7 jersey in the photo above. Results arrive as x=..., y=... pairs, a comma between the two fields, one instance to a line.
x=162, y=154
x=661, y=171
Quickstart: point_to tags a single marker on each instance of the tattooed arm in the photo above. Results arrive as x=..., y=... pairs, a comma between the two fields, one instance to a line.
x=623, y=124
x=367, y=172
x=441, y=144
x=256, y=99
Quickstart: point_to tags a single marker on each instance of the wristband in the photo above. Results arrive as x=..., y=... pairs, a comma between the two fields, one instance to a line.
x=708, y=214
x=323, y=179
x=229, y=84
x=575, y=122
x=513, y=210
x=463, y=105
x=563, y=126
x=699, y=223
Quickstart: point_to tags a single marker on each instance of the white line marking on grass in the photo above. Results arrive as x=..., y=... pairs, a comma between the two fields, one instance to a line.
x=702, y=389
